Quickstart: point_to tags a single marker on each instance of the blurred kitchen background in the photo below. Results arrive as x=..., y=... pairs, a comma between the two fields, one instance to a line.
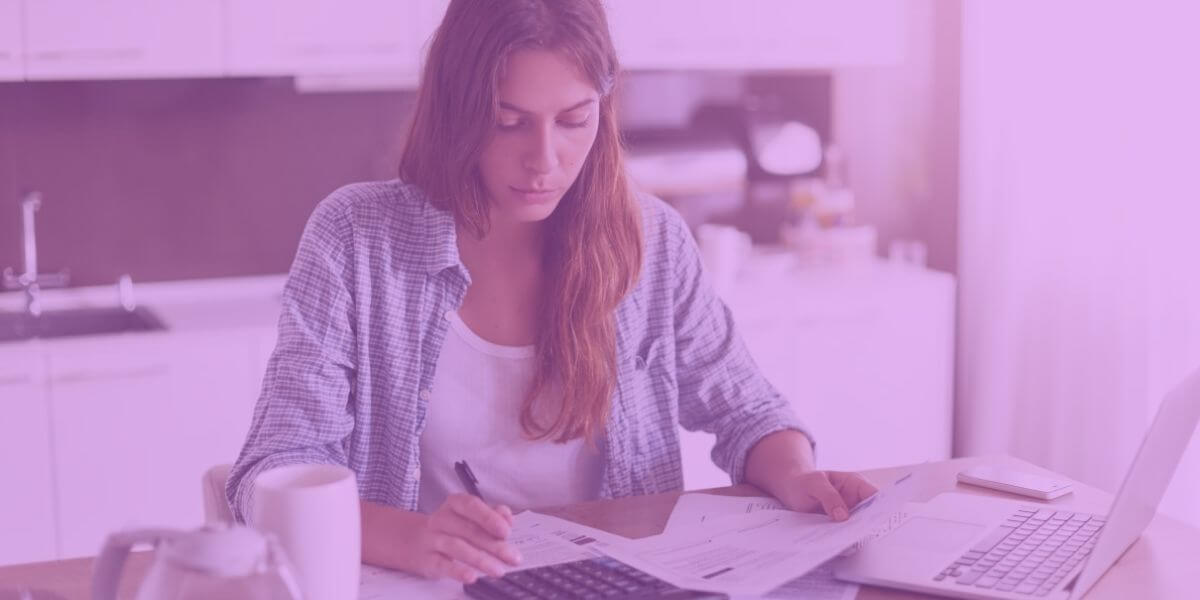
x=943, y=230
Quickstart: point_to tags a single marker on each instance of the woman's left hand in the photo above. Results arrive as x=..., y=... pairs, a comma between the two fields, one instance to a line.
x=831, y=492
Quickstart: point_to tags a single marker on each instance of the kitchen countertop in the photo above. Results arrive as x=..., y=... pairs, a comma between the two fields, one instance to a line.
x=183, y=306
x=198, y=305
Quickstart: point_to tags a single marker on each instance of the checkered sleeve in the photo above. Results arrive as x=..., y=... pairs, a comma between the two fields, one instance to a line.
x=721, y=390
x=303, y=412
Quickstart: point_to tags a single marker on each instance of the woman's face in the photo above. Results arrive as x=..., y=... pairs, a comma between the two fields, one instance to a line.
x=547, y=121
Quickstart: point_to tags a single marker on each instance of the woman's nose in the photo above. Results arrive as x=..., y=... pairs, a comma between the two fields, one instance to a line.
x=540, y=156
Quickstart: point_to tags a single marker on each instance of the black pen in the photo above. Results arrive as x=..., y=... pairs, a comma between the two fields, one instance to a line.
x=468, y=478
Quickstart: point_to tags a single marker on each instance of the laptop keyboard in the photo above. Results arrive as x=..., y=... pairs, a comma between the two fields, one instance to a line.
x=600, y=577
x=1031, y=553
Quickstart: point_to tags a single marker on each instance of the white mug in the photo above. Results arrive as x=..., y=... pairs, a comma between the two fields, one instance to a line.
x=313, y=510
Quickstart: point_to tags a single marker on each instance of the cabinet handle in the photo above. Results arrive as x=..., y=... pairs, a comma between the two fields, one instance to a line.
x=99, y=375
x=90, y=54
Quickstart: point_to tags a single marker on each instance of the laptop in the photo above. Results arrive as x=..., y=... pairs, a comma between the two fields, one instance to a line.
x=968, y=546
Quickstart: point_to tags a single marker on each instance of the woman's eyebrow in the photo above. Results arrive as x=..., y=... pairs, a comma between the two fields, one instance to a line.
x=514, y=108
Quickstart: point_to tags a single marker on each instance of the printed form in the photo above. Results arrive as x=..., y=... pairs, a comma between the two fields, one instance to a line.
x=757, y=551
x=694, y=511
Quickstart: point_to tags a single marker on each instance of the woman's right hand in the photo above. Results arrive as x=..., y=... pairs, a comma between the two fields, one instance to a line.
x=462, y=539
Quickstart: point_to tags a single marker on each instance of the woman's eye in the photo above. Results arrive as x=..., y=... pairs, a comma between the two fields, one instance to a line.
x=509, y=125
x=574, y=124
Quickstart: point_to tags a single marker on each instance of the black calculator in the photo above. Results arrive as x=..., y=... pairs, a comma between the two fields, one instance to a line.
x=599, y=577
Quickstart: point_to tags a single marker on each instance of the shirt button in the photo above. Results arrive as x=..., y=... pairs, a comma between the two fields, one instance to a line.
x=425, y=394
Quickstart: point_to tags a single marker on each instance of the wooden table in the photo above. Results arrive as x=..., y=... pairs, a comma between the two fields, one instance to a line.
x=1162, y=564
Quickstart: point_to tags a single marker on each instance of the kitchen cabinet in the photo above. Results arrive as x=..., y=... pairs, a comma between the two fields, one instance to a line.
x=12, y=34
x=27, y=527
x=117, y=39
x=137, y=420
x=328, y=37
x=113, y=427
x=864, y=354
x=765, y=34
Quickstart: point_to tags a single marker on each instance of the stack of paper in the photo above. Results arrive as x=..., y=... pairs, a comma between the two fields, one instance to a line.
x=747, y=547
x=742, y=546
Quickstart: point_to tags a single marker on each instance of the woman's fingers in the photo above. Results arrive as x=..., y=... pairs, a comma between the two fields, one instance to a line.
x=463, y=551
x=442, y=566
x=460, y=527
x=506, y=512
x=813, y=490
x=818, y=486
x=476, y=511
x=853, y=487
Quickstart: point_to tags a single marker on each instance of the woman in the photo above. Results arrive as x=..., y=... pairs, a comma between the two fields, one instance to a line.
x=510, y=302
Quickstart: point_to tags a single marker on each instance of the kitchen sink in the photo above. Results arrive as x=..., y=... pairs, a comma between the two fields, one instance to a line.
x=77, y=322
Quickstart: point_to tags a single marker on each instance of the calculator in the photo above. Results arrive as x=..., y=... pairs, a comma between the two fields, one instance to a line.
x=599, y=577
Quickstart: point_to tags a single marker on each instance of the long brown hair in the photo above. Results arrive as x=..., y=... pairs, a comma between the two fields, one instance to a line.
x=594, y=246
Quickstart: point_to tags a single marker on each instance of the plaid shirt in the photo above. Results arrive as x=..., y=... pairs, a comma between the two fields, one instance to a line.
x=362, y=325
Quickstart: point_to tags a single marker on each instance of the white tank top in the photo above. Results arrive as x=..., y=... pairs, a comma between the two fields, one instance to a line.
x=474, y=415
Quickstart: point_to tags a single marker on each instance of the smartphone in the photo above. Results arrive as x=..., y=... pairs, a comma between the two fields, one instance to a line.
x=1016, y=482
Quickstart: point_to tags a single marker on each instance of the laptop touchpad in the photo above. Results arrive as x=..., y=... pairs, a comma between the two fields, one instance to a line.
x=935, y=535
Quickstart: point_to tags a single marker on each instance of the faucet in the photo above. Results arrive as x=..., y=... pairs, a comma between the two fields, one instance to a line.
x=31, y=281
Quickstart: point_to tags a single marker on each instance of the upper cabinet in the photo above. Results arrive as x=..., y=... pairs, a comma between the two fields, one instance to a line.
x=764, y=34
x=11, y=34
x=329, y=37
x=118, y=39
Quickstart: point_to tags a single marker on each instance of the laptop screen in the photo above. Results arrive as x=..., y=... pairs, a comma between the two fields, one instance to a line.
x=1147, y=479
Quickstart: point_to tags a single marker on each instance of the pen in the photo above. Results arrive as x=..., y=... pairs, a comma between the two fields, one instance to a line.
x=468, y=478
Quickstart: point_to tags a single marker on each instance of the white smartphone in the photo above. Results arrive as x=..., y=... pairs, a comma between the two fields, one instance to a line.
x=1016, y=482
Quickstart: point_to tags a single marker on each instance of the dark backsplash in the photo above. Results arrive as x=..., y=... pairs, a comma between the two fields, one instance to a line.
x=182, y=179
x=185, y=179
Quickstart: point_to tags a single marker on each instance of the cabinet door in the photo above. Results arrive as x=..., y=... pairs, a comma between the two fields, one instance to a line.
x=764, y=34
x=11, y=41
x=325, y=37
x=864, y=355
x=110, y=402
x=828, y=33
x=66, y=39
x=27, y=520
x=137, y=421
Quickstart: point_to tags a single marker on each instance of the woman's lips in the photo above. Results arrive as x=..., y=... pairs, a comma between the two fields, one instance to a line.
x=534, y=195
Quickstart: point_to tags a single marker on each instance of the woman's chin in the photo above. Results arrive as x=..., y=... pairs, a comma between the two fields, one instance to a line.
x=530, y=213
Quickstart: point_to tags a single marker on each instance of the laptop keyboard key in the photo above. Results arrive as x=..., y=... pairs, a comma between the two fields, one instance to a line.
x=970, y=577
x=994, y=538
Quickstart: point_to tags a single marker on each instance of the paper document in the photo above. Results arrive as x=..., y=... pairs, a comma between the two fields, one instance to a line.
x=545, y=540
x=755, y=552
x=696, y=510
x=377, y=583
x=817, y=584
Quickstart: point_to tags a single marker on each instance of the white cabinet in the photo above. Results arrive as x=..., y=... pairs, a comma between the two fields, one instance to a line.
x=323, y=37
x=115, y=39
x=764, y=34
x=27, y=529
x=111, y=447
x=11, y=41
x=864, y=354
x=66, y=39
x=137, y=420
